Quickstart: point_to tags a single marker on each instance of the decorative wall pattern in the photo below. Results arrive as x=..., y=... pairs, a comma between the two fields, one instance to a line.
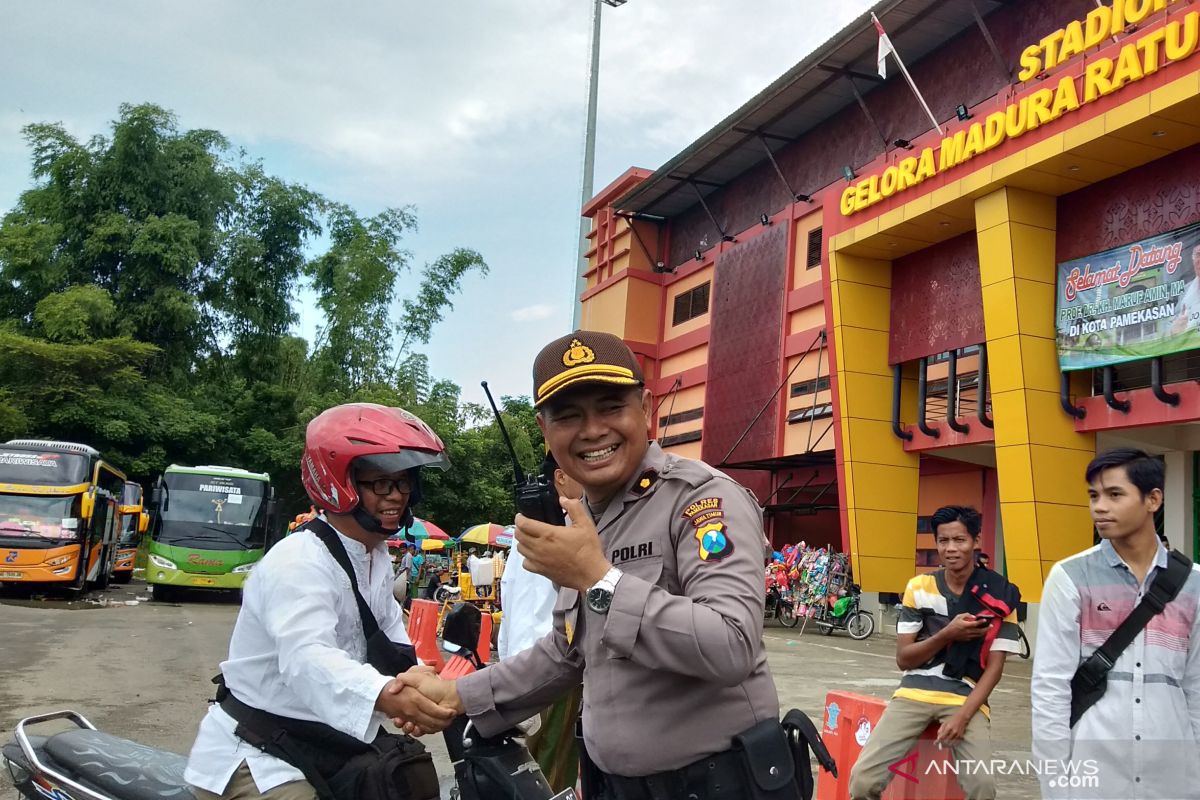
x=744, y=349
x=1145, y=201
x=937, y=302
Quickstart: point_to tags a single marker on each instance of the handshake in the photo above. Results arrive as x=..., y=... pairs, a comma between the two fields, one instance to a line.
x=419, y=702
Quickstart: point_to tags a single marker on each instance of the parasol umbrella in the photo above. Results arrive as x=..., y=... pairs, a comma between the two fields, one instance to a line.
x=420, y=530
x=433, y=530
x=487, y=534
x=436, y=544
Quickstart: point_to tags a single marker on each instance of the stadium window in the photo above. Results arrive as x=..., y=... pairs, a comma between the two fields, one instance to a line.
x=691, y=304
x=814, y=249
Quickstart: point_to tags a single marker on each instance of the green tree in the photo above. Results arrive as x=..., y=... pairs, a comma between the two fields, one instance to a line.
x=148, y=280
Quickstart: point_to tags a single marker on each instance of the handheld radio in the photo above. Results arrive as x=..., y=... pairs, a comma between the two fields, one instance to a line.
x=536, y=497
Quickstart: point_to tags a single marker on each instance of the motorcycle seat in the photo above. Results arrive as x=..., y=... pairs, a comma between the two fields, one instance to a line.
x=122, y=768
x=12, y=750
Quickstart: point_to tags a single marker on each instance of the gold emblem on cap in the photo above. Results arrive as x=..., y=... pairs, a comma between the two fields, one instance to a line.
x=578, y=353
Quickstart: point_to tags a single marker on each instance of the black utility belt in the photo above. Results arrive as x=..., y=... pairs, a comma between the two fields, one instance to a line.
x=759, y=766
x=719, y=775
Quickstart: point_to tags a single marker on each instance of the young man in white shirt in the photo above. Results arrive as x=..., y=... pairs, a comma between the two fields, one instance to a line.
x=298, y=649
x=1140, y=740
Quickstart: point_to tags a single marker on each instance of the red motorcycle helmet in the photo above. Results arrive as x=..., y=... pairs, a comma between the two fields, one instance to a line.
x=385, y=438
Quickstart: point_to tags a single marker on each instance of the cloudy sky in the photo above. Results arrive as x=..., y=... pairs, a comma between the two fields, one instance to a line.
x=471, y=110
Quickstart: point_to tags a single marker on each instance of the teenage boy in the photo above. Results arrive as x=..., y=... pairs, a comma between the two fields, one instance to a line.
x=956, y=626
x=1139, y=740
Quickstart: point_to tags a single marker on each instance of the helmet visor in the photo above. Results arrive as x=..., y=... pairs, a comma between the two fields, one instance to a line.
x=401, y=461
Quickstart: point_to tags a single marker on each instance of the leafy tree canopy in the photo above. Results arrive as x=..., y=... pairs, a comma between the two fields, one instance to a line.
x=148, y=281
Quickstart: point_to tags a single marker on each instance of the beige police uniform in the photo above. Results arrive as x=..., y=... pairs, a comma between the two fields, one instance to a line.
x=677, y=667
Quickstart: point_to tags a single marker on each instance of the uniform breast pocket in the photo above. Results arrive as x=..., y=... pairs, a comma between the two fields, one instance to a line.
x=648, y=568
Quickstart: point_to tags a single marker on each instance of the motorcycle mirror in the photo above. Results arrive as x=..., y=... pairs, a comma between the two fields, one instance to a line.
x=462, y=626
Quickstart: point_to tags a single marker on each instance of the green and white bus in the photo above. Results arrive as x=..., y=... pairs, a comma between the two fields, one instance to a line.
x=210, y=527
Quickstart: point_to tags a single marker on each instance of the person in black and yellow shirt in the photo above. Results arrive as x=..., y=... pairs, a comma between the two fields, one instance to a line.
x=956, y=625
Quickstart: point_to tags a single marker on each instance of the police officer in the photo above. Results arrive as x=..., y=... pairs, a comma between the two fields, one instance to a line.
x=660, y=599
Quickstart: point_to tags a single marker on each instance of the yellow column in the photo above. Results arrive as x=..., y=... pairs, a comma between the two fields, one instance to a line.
x=877, y=478
x=1040, y=459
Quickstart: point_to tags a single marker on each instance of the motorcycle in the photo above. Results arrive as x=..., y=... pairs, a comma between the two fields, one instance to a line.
x=779, y=603
x=845, y=615
x=84, y=763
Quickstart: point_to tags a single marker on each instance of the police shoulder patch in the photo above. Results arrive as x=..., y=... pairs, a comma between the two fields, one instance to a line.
x=704, y=509
x=715, y=544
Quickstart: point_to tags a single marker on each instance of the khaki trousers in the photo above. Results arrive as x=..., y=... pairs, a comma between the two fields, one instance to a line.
x=901, y=725
x=241, y=787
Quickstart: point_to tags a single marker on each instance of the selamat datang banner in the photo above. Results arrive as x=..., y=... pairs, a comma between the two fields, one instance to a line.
x=1136, y=301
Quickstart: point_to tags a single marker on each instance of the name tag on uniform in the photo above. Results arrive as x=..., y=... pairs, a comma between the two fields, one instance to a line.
x=565, y=794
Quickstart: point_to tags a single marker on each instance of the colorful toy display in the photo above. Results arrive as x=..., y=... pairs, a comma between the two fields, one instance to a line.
x=808, y=577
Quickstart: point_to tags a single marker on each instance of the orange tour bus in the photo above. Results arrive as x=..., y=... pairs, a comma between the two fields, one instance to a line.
x=59, y=509
x=134, y=521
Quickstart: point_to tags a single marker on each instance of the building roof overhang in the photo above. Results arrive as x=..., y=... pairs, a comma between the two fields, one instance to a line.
x=810, y=93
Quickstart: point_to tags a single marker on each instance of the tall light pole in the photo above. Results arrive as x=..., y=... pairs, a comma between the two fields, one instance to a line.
x=589, y=160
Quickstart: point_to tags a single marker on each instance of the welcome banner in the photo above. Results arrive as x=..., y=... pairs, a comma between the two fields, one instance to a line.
x=1136, y=301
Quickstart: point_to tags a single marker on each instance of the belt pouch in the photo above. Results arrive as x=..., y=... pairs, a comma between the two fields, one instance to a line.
x=766, y=758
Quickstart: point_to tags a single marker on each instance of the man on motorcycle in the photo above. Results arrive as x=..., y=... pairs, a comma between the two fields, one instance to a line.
x=660, y=601
x=298, y=650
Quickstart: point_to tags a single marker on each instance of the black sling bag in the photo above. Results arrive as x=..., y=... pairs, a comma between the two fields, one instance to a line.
x=1091, y=678
x=383, y=654
x=339, y=766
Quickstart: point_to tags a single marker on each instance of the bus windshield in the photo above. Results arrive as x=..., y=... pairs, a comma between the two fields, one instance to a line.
x=33, y=521
x=42, y=468
x=212, y=512
x=129, y=529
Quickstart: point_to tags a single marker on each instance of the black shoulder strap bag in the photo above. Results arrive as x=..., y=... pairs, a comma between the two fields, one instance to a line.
x=1091, y=679
x=339, y=766
x=389, y=657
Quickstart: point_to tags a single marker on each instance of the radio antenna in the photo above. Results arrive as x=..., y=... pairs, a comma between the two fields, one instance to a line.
x=518, y=473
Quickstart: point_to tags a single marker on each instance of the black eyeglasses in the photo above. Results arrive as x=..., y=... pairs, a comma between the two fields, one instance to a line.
x=385, y=486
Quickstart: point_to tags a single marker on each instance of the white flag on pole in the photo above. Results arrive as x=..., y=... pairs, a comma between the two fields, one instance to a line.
x=885, y=47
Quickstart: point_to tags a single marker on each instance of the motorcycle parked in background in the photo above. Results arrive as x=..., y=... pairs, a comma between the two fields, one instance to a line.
x=780, y=604
x=845, y=615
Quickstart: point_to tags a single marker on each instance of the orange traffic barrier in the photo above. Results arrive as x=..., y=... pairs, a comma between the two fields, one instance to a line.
x=849, y=721
x=484, y=651
x=422, y=631
x=456, y=667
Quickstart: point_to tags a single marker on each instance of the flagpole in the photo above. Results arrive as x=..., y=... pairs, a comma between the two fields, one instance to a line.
x=904, y=71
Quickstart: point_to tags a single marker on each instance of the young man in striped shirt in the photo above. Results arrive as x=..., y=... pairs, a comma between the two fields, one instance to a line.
x=956, y=625
x=1141, y=739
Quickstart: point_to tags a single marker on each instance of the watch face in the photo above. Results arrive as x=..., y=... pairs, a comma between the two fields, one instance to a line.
x=599, y=599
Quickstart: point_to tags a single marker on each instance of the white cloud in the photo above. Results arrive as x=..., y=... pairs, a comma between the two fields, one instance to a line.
x=533, y=313
x=471, y=111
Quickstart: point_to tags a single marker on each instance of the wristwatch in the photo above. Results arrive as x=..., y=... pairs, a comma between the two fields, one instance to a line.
x=600, y=596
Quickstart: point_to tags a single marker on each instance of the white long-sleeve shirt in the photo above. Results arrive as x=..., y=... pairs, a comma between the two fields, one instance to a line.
x=528, y=600
x=298, y=650
x=1141, y=740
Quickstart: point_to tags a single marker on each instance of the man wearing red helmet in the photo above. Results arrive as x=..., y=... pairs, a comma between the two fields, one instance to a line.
x=299, y=661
